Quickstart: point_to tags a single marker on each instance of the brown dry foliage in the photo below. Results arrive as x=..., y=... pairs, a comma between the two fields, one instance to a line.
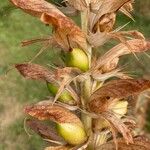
x=107, y=7
x=110, y=57
x=52, y=112
x=68, y=36
x=105, y=23
x=116, y=89
x=117, y=125
x=140, y=143
x=34, y=71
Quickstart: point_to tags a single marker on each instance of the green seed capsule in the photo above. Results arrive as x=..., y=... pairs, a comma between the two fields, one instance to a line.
x=65, y=97
x=72, y=133
x=76, y=58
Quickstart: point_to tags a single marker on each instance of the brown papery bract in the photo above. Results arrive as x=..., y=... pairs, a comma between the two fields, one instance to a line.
x=35, y=72
x=68, y=36
x=116, y=89
x=107, y=7
x=137, y=46
x=52, y=112
x=140, y=143
x=105, y=23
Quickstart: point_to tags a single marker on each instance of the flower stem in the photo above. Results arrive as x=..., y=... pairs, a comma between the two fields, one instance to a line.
x=86, y=87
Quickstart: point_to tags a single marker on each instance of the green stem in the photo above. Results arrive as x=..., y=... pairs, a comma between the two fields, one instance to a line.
x=86, y=87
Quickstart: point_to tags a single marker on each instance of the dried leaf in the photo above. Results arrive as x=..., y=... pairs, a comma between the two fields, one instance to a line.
x=52, y=112
x=134, y=33
x=137, y=46
x=116, y=89
x=113, y=73
x=68, y=36
x=105, y=23
x=140, y=143
x=119, y=126
x=44, y=131
x=35, y=72
x=36, y=7
x=107, y=7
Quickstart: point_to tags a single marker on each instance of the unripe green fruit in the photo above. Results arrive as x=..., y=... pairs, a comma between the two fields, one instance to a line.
x=65, y=97
x=72, y=133
x=76, y=58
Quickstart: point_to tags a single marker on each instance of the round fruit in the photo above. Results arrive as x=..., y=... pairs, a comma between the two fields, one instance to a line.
x=76, y=58
x=65, y=97
x=72, y=133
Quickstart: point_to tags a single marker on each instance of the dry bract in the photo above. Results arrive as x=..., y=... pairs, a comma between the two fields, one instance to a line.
x=111, y=57
x=117, y=125
x=116, y=89
x=35, y=72
x=140, y=143
x=105, y=23
x=68, y=36
x=52, y=112
x=107, y=7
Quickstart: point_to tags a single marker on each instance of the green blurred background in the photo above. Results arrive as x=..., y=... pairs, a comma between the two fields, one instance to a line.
x=15, y=91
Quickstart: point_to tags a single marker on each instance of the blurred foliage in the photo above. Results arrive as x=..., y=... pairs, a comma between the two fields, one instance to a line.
x=15, y=92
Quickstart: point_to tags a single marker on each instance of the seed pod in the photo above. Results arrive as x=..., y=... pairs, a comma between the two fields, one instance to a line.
x=73, y=133
x=76, y=58
x=68, y=125
x=65, y=97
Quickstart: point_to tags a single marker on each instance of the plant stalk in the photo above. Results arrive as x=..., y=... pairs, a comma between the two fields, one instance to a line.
x=86, y=86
